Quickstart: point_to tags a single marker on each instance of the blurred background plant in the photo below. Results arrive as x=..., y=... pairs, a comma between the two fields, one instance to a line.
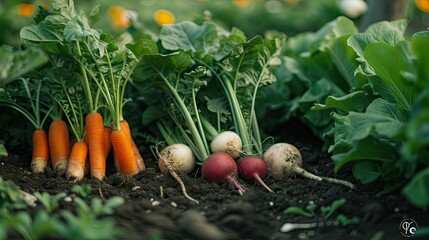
x=252, y=16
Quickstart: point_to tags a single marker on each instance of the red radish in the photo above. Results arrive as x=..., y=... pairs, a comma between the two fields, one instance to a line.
x=284, y=159
x=221, y=167
x=253, y=167
x=228, y=142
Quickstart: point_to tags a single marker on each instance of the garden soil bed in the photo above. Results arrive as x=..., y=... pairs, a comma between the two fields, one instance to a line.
x=224, y=214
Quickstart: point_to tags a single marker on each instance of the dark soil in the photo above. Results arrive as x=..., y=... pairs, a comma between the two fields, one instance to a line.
x=155, y=205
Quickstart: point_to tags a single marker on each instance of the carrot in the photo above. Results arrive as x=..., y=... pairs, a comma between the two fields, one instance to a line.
x=96, y=145
x=76, y=164
x=124, y=152
x=40, y=157
x=59, y=145
x=124, y=125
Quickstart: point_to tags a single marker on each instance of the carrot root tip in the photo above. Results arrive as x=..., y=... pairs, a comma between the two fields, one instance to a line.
x=38, y=165
x=61, y=167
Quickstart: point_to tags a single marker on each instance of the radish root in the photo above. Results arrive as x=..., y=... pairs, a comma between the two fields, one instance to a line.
x=306, y=174
x=177, y=178
x=256, y=176
x=236, y=184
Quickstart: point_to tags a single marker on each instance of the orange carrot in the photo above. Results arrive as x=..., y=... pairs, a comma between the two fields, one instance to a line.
x=124, y=152
x=96, y=145
x=76, y=164
x=124, y=125
x=59, y=145
x=40, y=156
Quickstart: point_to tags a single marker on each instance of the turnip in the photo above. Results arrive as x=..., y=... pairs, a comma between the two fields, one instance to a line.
x=221, y=167
x=228, y=142
x=177, y=158
x=284, y=159
x=253, y=168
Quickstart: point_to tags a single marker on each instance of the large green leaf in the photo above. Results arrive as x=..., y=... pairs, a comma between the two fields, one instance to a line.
x=344, y=58
x=337, y=28
x=354, y=101
x=380, y=117
x=16, y=63
x=417, y=191
x=385, y=32
x=158, y=69
x=190, y=36
x=366, y=171
x=389, y=63
x=420, y=46
x=369, y=148
x=203, y=40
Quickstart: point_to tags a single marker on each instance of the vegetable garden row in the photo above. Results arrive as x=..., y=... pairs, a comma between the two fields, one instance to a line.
x=210, y=96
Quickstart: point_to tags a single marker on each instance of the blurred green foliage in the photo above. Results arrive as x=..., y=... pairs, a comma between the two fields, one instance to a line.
x=252, y=16
x=256, y=17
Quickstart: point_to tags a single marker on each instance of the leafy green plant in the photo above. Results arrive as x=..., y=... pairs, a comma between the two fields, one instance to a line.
x=50, y=203
x=344, y=221
x=82, y=191
x=308, y=211
x=387, y=139
x=10, y=196
x=370, y=109
x=325, y=212
x=85, y=222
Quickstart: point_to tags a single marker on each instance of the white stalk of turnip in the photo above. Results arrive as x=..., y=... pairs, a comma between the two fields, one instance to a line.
x=227, y=142
x=284, y=159
x=177, y=158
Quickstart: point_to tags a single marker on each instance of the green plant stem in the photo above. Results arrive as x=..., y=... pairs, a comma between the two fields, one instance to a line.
x=86, y=85
x=202, y=150
x=240, y=123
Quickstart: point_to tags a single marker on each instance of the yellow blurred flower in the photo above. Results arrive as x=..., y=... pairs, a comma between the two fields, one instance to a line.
x=293, y=2
x=119, y=17
x=423, y=5
x=241, y=3
x=26, y=9
x=163, y=16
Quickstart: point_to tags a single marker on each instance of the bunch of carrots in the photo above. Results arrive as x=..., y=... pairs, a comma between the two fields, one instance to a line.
x=86, y=77
x=69, y=155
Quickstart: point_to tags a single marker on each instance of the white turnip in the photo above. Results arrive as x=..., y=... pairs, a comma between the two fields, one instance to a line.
x=284, y=159
x=227, y=142
x=253, y=168
x=220, y=167
x=177, y=158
